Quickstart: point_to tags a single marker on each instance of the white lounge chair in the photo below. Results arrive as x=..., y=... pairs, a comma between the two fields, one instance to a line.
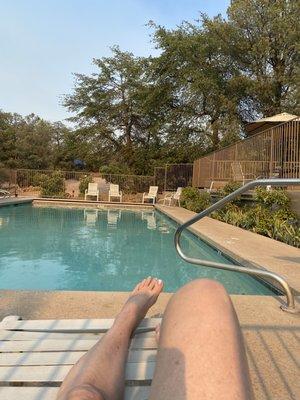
x=151, y=195
x=92, y=190
x=41, y=352
x=4, y=193
x=170, y=197
x=114, y=191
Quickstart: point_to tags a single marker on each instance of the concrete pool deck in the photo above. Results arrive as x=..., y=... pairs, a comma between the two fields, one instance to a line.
x=247, y=248
x=9, y=201
x=271, y=336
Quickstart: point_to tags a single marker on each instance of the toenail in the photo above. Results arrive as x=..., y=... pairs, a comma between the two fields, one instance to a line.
x=159, y=281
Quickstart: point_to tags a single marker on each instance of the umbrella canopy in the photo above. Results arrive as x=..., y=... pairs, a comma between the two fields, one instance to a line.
x=269, y=122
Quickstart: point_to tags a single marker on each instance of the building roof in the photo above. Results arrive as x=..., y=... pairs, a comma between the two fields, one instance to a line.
x=269, y=122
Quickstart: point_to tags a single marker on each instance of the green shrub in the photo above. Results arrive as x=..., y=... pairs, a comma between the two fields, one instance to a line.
x=194, y=200
x=229, y=188
x=84, y=183
x=274, y=198
x=115, y=169
x=281, y=225
x=52, y=185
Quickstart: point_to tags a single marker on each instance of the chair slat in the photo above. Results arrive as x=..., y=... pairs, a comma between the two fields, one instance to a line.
x=65, y=358
x=66, y=345
x=49, y=393
x=141, y=371
x=38, y=335
x=70, y=325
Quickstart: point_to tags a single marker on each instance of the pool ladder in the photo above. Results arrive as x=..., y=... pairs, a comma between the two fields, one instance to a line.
x=290, y=300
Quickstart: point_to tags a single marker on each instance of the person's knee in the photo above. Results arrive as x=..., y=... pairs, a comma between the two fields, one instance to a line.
x=199, y=290
x=85, y=392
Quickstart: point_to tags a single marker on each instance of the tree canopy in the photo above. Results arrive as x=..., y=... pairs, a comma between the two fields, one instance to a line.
x=209, y=78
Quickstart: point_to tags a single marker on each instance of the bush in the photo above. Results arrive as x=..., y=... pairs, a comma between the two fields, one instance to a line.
x=194, y=200
x=52, y=185
x=281, y=225
x=229, y=188
x=115, y=169
x=84, y=183
x=274, y=198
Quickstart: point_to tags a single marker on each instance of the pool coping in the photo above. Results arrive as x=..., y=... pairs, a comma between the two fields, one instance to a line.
x=10, y=201
x=246, y=248
x=88, y=203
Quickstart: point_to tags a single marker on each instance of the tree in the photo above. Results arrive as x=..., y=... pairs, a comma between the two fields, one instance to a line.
x=30, y=142
x=261, y=37
x=201, y=82
x=112, y=104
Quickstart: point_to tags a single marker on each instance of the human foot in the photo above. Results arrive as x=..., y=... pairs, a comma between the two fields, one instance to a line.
x=143, y=296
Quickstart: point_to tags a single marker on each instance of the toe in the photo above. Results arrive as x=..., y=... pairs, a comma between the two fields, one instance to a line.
x=148, y=282
x=153, y=284
x=139, y=286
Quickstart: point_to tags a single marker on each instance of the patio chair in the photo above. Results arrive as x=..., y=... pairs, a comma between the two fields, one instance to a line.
x=36, y=355
x=92, y=191
x=151, y=195
x=239, y=175
x=170, y=197
x=4, y=193
x=114, y=191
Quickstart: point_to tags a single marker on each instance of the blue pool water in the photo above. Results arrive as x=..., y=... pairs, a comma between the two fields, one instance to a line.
x=75, y=249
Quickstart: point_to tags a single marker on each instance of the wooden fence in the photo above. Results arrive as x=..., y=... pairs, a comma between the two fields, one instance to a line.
x=274, y=151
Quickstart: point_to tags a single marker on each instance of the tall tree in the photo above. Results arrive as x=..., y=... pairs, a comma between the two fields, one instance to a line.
x=262, y=37
x=112, y=103
x=201, y=81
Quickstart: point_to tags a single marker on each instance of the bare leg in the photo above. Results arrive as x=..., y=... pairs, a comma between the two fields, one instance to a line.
x=201, y=353
x=99, y=374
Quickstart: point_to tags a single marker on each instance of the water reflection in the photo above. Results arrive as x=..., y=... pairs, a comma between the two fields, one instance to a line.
x=149, y=216
x=113, y=216
x=90, y=216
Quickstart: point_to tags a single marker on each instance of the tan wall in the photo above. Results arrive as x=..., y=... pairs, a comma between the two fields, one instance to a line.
x=295, y=198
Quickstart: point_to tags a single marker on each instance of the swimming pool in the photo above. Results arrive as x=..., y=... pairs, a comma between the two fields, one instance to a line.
x=46, y=248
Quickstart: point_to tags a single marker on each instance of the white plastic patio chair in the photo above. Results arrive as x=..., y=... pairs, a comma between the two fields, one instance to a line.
x=92, y=190
x=151, y=195
x=114, y=191
x=170, y=197
x=4, y=193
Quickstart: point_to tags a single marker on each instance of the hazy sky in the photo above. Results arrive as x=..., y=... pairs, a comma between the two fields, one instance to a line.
x=42, y=42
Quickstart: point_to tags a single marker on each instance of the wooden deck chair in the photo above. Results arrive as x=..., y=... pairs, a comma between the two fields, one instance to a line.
x=238, y=174
x=36, y=355
x=151, y=195
x=92, y=191
x=114, y=191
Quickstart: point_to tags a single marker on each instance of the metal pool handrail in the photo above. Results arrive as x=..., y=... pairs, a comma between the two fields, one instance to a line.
x=290, y=301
